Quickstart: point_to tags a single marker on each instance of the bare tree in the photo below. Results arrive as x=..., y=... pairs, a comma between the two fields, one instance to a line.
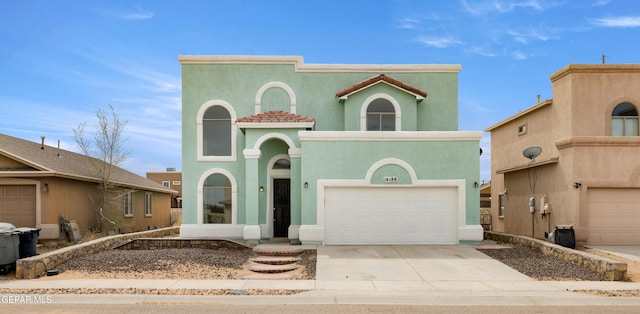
x=106, y=149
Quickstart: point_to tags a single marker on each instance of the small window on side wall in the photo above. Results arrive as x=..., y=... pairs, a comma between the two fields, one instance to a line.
x=522, y=129
x=624, y=120
x=148, y=204
x=501, y=201
x=128, y=204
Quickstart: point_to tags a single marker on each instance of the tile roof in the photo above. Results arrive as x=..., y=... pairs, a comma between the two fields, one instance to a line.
x=276, y=117
x=383, y=78
x=62, y=163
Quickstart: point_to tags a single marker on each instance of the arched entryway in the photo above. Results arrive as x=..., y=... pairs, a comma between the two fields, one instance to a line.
x=279, y=197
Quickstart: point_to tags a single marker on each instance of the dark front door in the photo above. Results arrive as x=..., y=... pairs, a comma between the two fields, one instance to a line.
x=281, y=207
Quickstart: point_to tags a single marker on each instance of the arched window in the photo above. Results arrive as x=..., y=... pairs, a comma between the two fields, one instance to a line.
x=282, y=164
x=217, y=199
x=624, y=120
x=381, y=116
x=216, y=137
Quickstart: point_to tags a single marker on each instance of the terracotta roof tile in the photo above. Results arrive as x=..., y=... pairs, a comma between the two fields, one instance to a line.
x=276, y=117
x=378, y=78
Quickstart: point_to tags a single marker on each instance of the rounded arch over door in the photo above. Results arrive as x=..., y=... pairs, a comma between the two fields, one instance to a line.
x=281, y=85
x=255, y=151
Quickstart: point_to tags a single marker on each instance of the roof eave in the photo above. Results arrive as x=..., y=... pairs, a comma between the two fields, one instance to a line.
x=275, y=125
x=418, y=96
x=520, y=114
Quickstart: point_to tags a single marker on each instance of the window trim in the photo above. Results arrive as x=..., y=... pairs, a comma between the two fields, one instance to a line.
x=148, y=204
x=128, y=204
x=234, y=194
x=166, y=184
x=200, y=129
x=369, y=100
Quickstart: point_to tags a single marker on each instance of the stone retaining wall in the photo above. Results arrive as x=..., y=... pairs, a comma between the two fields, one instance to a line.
x=37, y=266
x=612, y=269
x=166, y=243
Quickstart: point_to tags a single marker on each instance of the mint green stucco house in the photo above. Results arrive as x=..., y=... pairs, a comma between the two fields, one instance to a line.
x=326, y=153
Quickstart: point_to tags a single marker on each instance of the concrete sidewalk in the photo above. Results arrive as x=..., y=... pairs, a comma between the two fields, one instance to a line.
x=433, y=292
x=434, y=275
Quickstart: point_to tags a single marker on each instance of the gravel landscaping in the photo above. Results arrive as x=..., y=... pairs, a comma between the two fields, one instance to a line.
x=539, y=266
x=189, y=263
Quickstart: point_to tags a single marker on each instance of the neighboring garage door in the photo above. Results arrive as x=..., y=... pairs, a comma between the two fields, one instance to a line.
x=391, y=215
x=613, y=216
x=18, y=205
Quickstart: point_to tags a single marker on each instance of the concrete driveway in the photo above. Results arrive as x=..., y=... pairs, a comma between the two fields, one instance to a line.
x=411, y=263
x=630, y=252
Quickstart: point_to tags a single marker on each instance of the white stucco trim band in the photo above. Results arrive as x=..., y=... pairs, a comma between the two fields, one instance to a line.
x=389, y=136
x=300, y=66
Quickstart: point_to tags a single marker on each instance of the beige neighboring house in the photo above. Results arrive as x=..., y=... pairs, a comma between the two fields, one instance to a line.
x=588, y=173
x=38, y=183
x=485, y=206
x=170, y=179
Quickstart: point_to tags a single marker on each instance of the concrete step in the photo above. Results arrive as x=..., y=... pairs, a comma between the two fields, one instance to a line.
x=275, y=260
x=277, y=276
x=270, y=269
x=276, y=251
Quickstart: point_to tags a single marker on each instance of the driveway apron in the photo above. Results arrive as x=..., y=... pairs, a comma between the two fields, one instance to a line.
x=410, y=263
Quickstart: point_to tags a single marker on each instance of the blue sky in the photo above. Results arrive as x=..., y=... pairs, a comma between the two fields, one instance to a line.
x=60, y=60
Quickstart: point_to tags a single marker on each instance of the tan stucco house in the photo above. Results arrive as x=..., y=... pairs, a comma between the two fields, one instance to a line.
x=39, y=183
x=171, y=179
x=588, y=173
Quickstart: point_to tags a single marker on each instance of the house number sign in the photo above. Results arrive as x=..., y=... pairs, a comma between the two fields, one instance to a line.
x=390, y=179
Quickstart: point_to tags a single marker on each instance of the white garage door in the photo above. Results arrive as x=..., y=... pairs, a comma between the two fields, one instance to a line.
x=391, y=215
x=613, y=216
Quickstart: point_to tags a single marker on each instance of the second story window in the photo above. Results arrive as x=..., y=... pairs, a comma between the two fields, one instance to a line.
x=624, y=120
x=216, y=132
x=381, y=116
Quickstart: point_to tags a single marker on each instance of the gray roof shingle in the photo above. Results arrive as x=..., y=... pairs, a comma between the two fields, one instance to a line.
x=62, y=163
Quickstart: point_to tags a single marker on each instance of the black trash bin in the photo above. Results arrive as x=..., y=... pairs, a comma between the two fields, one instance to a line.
x=565, y=236
x=9, y=252
x=28, y=241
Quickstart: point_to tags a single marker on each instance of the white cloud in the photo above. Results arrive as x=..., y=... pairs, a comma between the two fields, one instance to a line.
x=408, y=23
x=600, y=3
x=439, y=42
x=504, y=6
x=519, y=55
x=525, y=38
x=138, y=14
x=483, y=52
x=622, y=21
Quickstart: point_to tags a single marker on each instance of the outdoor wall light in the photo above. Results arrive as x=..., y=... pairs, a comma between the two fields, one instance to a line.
x=261, y=188
x=577, y=185
x=306, y=185
x=475, y=185
x=45, y=187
